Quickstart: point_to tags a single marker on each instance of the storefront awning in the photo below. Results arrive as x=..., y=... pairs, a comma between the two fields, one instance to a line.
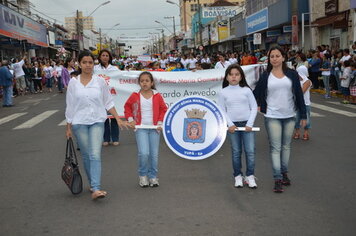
x=339, y=20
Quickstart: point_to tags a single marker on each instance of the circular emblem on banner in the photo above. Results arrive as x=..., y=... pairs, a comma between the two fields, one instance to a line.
x=194, y=128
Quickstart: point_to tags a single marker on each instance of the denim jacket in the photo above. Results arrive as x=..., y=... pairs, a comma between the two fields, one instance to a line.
x=260, y=92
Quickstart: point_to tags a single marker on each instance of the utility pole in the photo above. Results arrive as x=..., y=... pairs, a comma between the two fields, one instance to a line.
x=78, y=30
x=200, y=26
x=163, y=40
x=99, y=40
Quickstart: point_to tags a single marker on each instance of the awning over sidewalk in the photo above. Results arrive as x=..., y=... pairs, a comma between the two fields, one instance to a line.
x=339, y=20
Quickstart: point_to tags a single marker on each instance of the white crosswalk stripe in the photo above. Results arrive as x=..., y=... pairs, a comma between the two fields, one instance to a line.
x=64, y=122
x=333, y=110
x=344, y=105
x=11, y=117
x=314, y=114
x=36, y=120
x=33, y=121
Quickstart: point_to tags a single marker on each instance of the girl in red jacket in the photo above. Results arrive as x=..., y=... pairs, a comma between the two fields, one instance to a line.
x=146, y=107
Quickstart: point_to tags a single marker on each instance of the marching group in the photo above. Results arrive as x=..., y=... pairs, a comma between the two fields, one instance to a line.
x=89, y=98
x=282, y=94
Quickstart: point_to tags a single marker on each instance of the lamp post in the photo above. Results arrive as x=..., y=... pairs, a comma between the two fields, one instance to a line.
x=174, y=30
x=100, y=38
x=199, y=22
x=163, y=44
x=79, y=25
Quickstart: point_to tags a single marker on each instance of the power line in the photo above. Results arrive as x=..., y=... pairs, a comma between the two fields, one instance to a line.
x=46, y=15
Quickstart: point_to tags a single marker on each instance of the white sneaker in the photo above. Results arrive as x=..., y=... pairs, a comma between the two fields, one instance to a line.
x=238, y=182
x=143, y=181
x=250, y=180
x=154, y=182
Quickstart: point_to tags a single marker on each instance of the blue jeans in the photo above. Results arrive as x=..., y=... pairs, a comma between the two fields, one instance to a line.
x=49, y=82
x=280, y=133
x=337, y=78
x=147, y=146
x=297, y=119
x=7, y=99
x=247, y=139
x=326, y=80
x=60, y=84
x=90, y=138
x=111, y=132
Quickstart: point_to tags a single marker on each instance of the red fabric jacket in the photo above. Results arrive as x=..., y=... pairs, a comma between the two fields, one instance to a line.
x=133, y=107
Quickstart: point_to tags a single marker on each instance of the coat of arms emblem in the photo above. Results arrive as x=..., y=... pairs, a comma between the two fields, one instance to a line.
x=194, y=126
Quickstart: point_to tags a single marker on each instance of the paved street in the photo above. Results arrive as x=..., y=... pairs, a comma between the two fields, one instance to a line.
x=194, y=197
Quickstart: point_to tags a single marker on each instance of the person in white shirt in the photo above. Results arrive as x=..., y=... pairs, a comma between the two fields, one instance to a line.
x=164, y=62
x=111, y=132
x=232, y=59
x=191, y=62
x=240, y=109
x=19, y=75
x=48, y=71
x=206, y=59
x=87, y=100
x=222, y=64
x=305, y=83
x=346, y=56
x=184, y=61
x=58, y=75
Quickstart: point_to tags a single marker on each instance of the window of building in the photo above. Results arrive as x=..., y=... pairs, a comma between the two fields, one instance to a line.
x=194, y=7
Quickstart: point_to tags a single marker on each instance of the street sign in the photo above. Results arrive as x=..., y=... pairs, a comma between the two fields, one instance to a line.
x=257, y=38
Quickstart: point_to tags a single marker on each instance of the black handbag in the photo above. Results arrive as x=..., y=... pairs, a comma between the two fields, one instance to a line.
x=70, y=171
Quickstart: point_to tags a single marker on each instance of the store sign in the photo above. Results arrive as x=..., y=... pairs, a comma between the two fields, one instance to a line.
x=272, y=33
x=352, y=4
x=257, y=21
x=287, y=29
x=17, y=26
x=213, y=12
x=294, y=29
x=257, y=38
x=331, y=7
x=194, y=128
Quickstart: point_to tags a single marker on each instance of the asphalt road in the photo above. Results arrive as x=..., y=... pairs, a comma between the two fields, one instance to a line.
x=194, y=197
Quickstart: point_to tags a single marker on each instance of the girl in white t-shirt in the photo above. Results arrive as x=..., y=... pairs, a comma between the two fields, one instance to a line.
x=305, y=83
x=146, y=107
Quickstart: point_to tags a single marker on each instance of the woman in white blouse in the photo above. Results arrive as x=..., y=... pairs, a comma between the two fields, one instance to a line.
x=88, y=99
x=111, y=131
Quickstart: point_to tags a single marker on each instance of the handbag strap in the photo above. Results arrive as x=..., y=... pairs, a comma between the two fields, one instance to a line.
x=70, y=152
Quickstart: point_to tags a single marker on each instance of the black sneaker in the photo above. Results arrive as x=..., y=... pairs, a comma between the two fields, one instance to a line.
x=285, y=180
x=278, y=187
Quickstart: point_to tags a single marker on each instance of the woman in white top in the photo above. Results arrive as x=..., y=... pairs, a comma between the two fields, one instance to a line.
x=279, y=95
x=88, y=98
x=305, y=83
x=112, y=132
x=58, y=75
x=222, y=64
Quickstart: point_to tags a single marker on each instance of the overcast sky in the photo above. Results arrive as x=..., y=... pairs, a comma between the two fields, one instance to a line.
x=136, y=17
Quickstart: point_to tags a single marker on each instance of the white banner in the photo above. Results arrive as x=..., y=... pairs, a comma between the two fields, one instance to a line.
x=174, y=85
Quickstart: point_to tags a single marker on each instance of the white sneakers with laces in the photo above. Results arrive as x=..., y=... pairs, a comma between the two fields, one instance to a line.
x=143, y=181
x=154, y=182
x=238, y=181
x=250, y=181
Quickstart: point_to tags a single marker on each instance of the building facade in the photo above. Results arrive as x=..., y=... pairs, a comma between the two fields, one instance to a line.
x=189, y=7
x=87, y=22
